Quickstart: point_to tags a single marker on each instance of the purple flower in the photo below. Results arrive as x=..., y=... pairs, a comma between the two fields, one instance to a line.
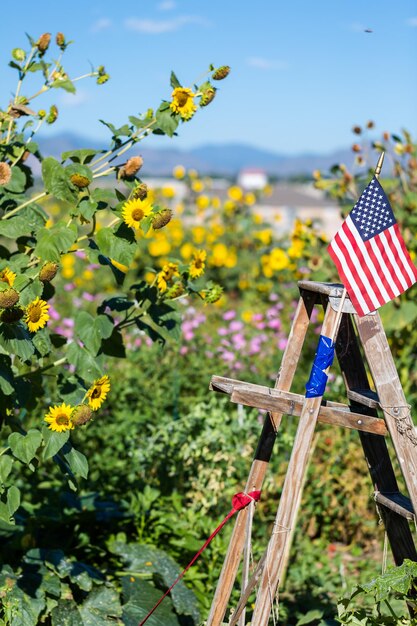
x=229, y=315
x=69, y=286
x=257, y=317
x=88, y=296
x=282, y=343
x=53, y=313
x=236, y=325
x=228, y=356
x=222, y=331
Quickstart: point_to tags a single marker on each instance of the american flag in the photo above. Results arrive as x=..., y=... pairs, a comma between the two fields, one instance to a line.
x=370, y=254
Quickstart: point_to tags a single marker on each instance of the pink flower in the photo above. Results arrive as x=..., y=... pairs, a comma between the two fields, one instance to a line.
x=236, y=325
x=229, y=315
x=282, y=343
x=88, y=296
x=228, y=356
x=222, y=331
x=183, y=350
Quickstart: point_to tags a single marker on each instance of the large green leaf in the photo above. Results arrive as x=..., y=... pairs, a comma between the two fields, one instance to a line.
x=15, y=227
x=6, y=464
x=29, y=288
x=101, y=607
x=15, y=339
x=57, y=182
x=397, y=318
x=42, y=341
x=166, y=121
x=13, y=499
x=146, y=559
x=54, y=441
x=141, y=598
x=114, y=247
x=52, y=242
x=24, y=447
x=67, y=85
x=17, y=183
x=6, y=375
x=92, y=330
x=80, y=156
x=76, y=460
x=87, y=365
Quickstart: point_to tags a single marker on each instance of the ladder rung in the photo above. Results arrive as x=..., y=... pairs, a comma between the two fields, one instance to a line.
x=396, y=502
x=367, y=397
x=327, y=289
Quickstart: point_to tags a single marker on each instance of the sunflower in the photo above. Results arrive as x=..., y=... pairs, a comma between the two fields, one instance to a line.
x=7, y=276
x=169, y=270
x=135, y=210
x=183, y=102
x=197, y=265
x=98, y=392
x=59, y=418
x=36, y=314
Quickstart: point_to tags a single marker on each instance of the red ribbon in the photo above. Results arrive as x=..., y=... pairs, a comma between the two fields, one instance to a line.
x=239, y=501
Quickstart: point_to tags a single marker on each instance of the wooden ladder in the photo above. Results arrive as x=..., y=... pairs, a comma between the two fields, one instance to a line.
x=361, y=414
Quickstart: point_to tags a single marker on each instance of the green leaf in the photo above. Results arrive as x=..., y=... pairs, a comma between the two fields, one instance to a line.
x=80, y=156
x=15, y=339
x=77, y=461
x=101, y=608
x=166, y=121
x=52, y=242
x=15, y=227
x=87, y=208
x=87, y=365
x=142, y=597
x=56, y=181
x=174, y=81
x=117, y=248
x=13, y=500
x=6, y=375
x=64, y=84
x=149, y=560
x=18, y=181
x=24, y=447
x=103, y=195
x=311, y=616
x=32, y=289
x=6, y=464
x=92, y=330
x=397, y=318
x=42, y=341
x=54, y=441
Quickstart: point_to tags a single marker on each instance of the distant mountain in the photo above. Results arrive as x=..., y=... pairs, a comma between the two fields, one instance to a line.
x=220, y=159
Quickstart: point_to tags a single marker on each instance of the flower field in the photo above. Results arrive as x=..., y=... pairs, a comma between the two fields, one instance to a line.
x=118, y=301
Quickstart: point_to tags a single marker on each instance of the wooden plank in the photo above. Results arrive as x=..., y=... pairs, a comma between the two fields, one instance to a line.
x=367, y=397
x=261, y=459
x=327, y=415
x=374, y=446
x=396, y=502
x=391, y=397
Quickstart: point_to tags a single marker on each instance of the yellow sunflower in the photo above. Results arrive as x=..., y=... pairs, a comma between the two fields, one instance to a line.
x=98, y=392
x=197, y=264
x=7, y=276
x=36, y=314
x=59, y=418
x=169, y=270
x=183, y=102
x=135, y=210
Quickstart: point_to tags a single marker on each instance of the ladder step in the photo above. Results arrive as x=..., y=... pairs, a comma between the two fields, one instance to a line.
x=367, y=397
x=396, y=502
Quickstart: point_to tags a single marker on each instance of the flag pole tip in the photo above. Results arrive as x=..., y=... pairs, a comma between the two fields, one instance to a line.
x=379, y=164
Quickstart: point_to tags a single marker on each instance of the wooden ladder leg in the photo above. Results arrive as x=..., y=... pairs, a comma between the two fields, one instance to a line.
x=262, y=457
x=391, y=398
x=374, y=446
x=271, y=565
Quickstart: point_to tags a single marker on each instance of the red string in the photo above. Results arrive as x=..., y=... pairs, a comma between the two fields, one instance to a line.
x=239, y=501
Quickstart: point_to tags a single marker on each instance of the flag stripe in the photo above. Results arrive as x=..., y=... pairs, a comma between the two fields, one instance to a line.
x=403, y=254
x=393, y=260
x=388, y=269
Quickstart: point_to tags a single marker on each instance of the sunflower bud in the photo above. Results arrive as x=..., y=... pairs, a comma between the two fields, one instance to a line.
x=43, y=42
x=53, y=115
x=81, y=414
x=357, y=130
x=102, y=77
x=18, y=54
x=175, y=291
x=207, y=96
x=221, y=72
x=131, y=167
x=370, y=124
x=140, y=192
x=8, y=298
x=161, y=219
x=48, y=272
x=60, y=40
x=9, y=316
x=41, y=113
x=80, y=181
x=5, y=173
x=212, y=294
x=356, y=147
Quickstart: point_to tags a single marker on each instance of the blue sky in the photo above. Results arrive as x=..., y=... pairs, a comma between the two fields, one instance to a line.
x=303, y=72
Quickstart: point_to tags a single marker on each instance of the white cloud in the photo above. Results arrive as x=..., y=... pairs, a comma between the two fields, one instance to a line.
x=261, y=63
x=166, y=5
x=101, y=24
x=412, y=21
x=157, y=27
x=72, y=100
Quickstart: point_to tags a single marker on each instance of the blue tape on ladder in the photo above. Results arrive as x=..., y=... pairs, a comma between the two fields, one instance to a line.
x=316, y=384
